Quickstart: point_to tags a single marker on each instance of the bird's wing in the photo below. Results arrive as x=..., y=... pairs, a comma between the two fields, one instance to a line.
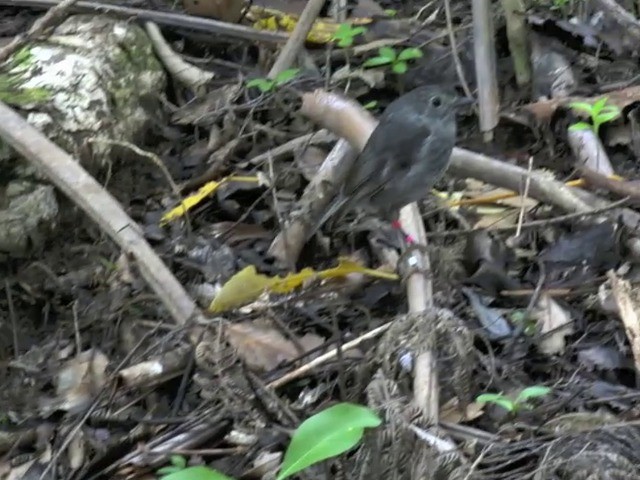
x=416, y=177
x=334, y=207
x=386, y=156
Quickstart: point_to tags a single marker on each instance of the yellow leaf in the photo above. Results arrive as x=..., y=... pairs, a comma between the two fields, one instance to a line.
x=203, y=192
x=346, y=266
x=244, y=287
x=321, y=32
x=291, y=281
x=247, y=285
x=189, y=202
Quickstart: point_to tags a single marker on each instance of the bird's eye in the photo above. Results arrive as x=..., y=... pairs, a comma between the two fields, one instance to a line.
x=436, y=102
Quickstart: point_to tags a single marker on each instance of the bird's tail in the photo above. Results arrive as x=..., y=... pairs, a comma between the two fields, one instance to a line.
x=333, y=209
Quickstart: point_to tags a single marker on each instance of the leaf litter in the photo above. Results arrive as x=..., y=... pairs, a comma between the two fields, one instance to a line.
x=527, y=293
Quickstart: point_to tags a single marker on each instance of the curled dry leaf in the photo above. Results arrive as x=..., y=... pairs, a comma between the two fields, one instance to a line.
x=77, y=451
x=452, y=413
x=628, y=302
x=264, y=348
x=309, y=160
x=554, y=324
x=580, y=422
x=79, y=381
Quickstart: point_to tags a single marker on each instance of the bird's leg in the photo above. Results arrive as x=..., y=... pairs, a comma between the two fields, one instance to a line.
x=408, y=239
x=408, y=264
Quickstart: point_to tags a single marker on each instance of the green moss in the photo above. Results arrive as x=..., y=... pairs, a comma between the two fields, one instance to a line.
x=10, y=90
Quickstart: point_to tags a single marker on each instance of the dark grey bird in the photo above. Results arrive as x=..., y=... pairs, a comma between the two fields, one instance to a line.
x=407, y=153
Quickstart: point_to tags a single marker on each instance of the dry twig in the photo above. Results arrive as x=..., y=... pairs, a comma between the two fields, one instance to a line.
x=50, y=20
x=69, y=176
x=297, y=38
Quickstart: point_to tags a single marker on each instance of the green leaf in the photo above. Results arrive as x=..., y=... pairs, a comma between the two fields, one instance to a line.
x=197, y=473
x=598, y=106
x=286, y=76
x=400, y=67
x=498, y=399
x=580, y=126
x=489, y=397
x=264, y=84
x=611, y=108
x=410, y=54
x=517, y=316
x=342, y=31
x=377, y=61
x=532, y=392
x=391, y=12
x=345, y=34
x=178, y=461
x=327, y=434
x=387, y=52
x=605, y=117
x=167, y=470
x=586, y=107
x=371, y=105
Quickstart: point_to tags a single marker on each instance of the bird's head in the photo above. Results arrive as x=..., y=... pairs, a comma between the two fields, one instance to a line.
x=437, y=101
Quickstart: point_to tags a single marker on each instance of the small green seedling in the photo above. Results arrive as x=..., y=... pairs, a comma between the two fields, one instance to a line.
x=326, y=434
x=178, y=463
x=520, y=402
x=346, y=33
x=179, y=471
x=266, y=85
x=398, y=61
x=370, y=105
x=599, y=112
x=199, y=472
x=519, y=317
x=391, y=12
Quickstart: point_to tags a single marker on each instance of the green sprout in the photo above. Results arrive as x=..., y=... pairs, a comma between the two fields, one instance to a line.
x=199, y=472
x=178, y=463
x=346, y=33
x=559, y=4
x=398, y=61
x=519, y=317
x=520, y=402
x=370, y=105
x=266, y=85
x=599, y=112
x=327, y=434
x=391, y=12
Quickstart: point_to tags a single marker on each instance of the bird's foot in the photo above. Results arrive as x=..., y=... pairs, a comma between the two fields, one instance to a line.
x=411, y=261
x=408, y=239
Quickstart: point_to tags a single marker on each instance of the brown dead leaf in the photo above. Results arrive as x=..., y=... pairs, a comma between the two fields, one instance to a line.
x=450, y=411
x=264, y=348
x=233, y=232
x=225, y=10
x=79, y=381
x=309, y=160
x=500, y=219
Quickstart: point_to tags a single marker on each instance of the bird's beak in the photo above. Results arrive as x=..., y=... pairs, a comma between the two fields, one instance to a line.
x=463, y=102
